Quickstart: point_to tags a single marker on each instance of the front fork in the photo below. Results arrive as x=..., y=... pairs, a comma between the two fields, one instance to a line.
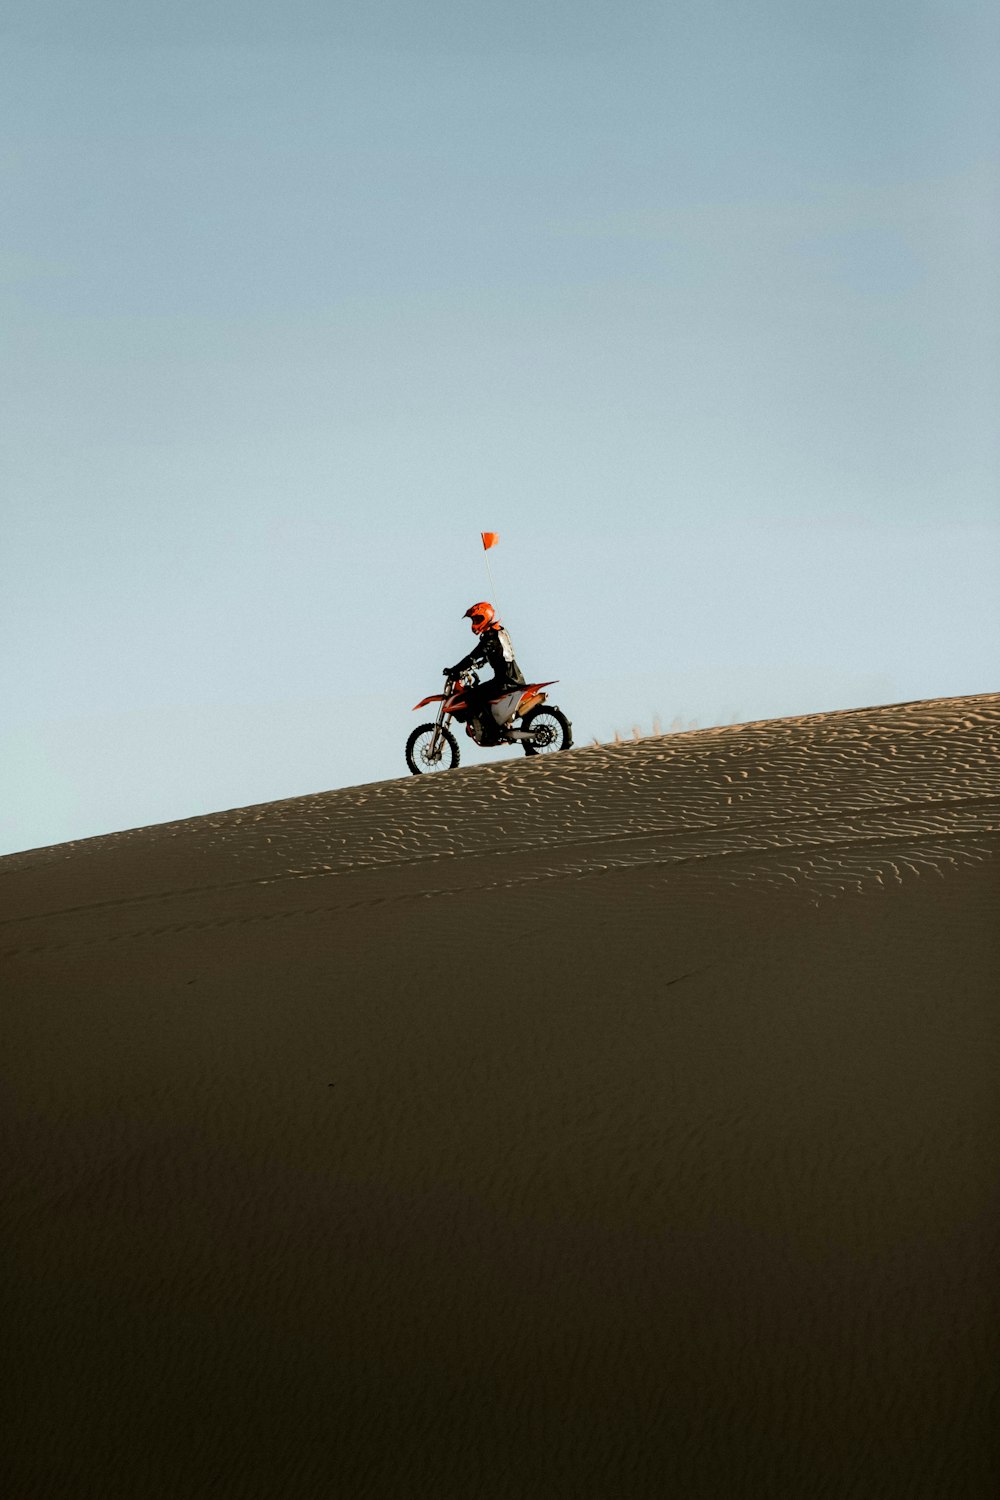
x=439, y=725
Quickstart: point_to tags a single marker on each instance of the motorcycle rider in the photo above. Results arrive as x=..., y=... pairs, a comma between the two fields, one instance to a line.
x=493, y=649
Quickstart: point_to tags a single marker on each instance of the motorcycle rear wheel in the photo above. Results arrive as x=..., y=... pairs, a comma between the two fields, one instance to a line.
x=550, y=730
x=418, y=748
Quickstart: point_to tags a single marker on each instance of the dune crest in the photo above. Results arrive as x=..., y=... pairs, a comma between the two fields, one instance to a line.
x=828, y=802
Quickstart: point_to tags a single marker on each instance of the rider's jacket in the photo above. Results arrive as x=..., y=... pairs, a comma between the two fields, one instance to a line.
x=493, y=650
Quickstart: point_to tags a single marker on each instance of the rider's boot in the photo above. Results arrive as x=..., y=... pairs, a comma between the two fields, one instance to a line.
x=490, y=727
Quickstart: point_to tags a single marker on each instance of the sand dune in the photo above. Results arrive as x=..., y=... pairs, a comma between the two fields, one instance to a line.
x=688, y=1188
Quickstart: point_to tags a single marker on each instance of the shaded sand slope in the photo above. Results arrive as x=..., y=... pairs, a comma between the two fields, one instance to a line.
x=699, y=1199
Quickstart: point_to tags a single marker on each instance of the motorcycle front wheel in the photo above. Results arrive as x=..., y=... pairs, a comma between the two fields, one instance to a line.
x=549, y=729
x=420, y=745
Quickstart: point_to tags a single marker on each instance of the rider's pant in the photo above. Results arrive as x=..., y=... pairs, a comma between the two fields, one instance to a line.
x=478, y=699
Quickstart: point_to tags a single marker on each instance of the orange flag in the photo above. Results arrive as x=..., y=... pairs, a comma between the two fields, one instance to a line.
x=490, y=539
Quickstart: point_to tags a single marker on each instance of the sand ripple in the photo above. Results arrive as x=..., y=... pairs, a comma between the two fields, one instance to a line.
x=821, y=804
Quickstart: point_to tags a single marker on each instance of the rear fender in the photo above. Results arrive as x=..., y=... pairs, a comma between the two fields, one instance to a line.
x=531, y=701
x=533, y=696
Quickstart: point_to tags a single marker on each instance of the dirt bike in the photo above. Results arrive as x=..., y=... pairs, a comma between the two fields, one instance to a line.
x=543, y=727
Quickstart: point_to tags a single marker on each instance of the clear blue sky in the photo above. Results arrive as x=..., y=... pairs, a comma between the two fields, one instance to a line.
x=695, y=303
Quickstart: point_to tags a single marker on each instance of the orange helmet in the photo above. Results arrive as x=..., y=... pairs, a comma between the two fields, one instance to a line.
x=481, y=615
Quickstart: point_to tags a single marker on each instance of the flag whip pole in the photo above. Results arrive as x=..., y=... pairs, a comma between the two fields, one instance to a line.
x=490, y=539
